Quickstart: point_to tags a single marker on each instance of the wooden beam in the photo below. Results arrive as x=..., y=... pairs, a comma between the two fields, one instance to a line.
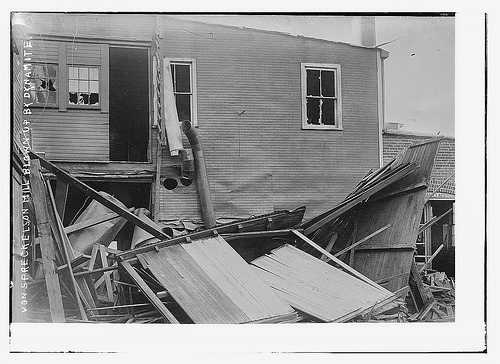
x=61, y=197
x=257, y=234
x=150, y=295
x=90, y=222
x=95, y=271
x=432, y=221
x=431, y=258
x=39, y=194
x=104, y=200
x=329, y=247
x=58, y=231
x=424, y=294
x=344, y=266
x=107, y=278
x=362, y=240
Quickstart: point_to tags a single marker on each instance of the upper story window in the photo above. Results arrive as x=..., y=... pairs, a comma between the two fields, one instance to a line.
x=44, y=84
x=83, y=85
x=184, y=87
x=321, y=103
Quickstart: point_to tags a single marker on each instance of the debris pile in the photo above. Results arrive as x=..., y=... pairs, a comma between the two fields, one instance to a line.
x=272, y=268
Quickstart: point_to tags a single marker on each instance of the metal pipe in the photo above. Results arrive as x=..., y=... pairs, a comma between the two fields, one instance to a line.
x=207, y=208
x=187, y=166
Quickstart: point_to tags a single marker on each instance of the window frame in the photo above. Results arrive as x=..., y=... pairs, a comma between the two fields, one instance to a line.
x=86, y=107
x=337, y=99
x=192, y=77
x=54, y=105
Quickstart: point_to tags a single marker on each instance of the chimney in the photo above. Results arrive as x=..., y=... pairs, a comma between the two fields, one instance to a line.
x=363, y=28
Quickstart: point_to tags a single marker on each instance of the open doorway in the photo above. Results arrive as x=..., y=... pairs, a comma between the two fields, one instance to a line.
x=128, y=104
x=131, y=194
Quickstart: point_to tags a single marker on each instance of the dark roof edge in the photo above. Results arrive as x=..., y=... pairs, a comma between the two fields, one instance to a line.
x=415, y=134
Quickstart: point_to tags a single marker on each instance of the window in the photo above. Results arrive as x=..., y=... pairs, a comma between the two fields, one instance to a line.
x=83, y=86
x=321, y=105
x=44, y=84
x=183, y=78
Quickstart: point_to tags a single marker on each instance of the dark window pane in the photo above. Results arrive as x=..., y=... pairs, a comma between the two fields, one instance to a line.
x=312, y=111
x=182, y=79
x=84, y=99
x=327, y=84
x=312, y=83
x=94, y=99
x=183, y=103
x=52, y=84
x=72, y=98
x=328, y=112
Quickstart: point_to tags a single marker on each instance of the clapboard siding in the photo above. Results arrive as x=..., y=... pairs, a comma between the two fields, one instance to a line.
x=83, y=53
x=262, y=159
x=45, y=51
x=75, y=135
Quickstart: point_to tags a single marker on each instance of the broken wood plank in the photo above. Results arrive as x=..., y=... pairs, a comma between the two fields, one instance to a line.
x=432, y=221
x=362, y=240
x=95, y=271
x=91, y=222
x=75, y=263
x=104, y=200
x=424, y=294
x=46, y=245
x=150, y=295
x=329, y=247
x=339, y=262
x=257, y=234
x=431, y=258
x=107, y=278
x=61, y=196
x=57, y=229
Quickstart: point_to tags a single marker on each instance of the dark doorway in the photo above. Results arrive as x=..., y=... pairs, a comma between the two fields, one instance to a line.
x=128, y=104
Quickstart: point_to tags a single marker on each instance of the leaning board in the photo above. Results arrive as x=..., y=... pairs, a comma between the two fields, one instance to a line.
x=214, y=285
x=315, y=287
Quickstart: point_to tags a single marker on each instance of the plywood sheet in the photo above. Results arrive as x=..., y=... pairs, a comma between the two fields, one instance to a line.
x=315, y=287
x=213, y=284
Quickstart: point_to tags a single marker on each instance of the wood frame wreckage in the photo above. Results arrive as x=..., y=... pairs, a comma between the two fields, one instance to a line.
x=354, y=262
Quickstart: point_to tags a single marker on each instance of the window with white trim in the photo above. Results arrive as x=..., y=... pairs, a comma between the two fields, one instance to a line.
x=83, y=85
x=321, y=103
x=184, y=86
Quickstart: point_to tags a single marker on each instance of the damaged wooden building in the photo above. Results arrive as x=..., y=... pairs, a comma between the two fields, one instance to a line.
x=173, y=148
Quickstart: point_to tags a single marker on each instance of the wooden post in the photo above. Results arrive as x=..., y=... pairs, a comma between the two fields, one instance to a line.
x=46, y=244
x=58, y=231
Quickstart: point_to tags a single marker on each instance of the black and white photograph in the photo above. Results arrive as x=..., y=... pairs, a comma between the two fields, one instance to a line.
x=295, y=171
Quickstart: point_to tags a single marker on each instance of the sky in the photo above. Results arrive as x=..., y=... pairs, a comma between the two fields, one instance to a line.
x=420, y=70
